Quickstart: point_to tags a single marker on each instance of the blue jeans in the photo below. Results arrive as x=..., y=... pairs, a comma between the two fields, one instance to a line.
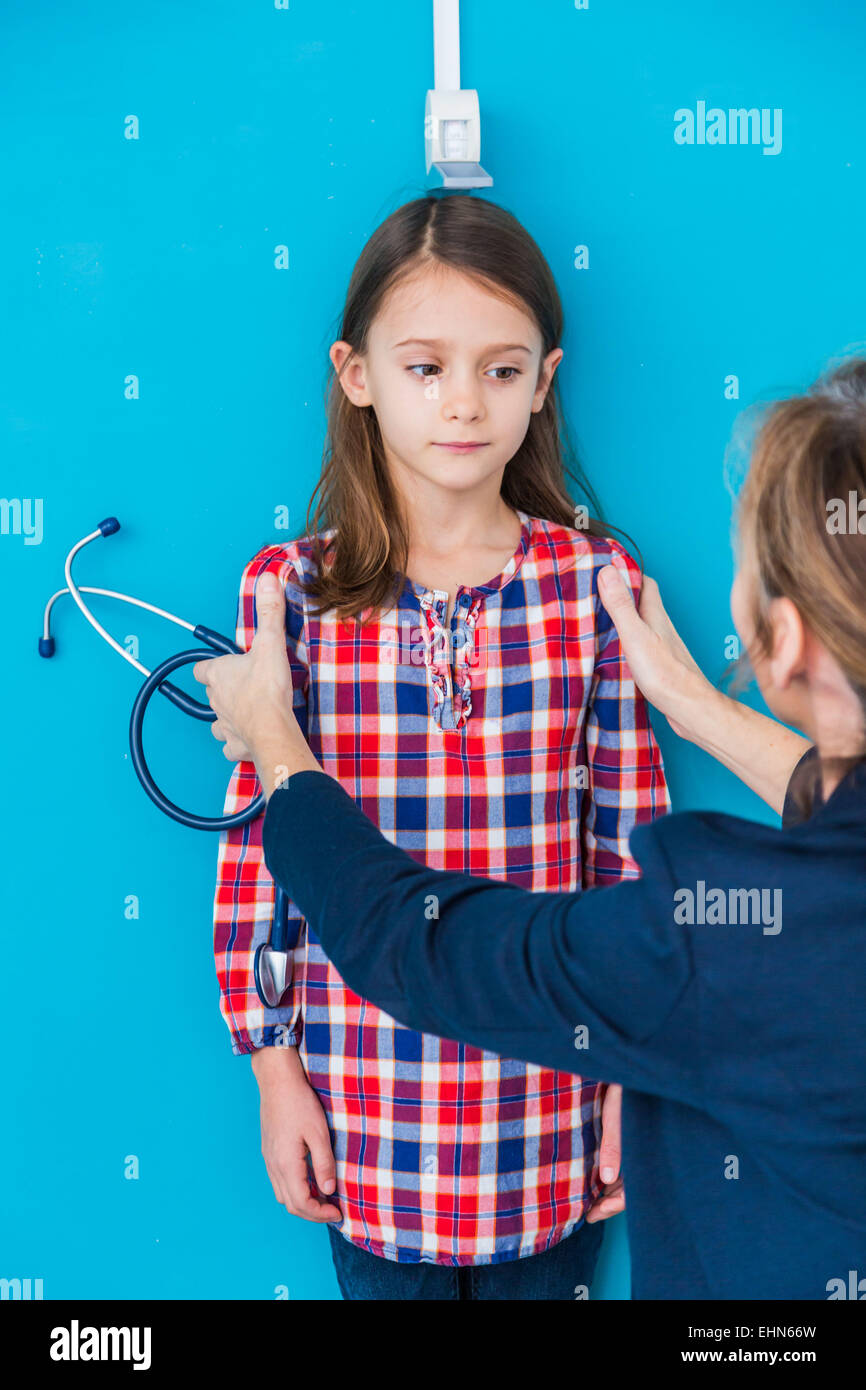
x=554, y=1273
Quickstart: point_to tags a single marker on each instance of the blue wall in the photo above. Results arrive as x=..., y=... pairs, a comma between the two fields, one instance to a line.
x=155, y=258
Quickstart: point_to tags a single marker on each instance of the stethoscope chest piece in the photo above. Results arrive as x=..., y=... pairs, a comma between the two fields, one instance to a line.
x=273, y=960
x=273, y=972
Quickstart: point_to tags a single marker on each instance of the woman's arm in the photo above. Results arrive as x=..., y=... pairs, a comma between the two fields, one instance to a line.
x=599, y=982
x=589, y=982
x=760, y=751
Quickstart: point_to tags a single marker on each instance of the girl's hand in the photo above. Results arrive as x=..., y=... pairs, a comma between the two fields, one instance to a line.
x=294, y=1126
x=661, y=664
x=612, y=1200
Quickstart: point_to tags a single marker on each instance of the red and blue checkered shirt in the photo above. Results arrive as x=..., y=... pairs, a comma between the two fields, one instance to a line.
x=510, y=744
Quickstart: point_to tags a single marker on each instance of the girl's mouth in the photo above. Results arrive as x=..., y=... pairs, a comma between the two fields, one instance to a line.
x=461, y=448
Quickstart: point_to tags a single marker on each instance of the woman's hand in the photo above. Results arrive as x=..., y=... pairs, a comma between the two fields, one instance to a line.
x=762, y=752
x=661, y=664
x=252, y=696
x=246, y=691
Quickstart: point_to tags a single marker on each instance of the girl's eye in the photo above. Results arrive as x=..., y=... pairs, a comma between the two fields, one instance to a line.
x=421, y=366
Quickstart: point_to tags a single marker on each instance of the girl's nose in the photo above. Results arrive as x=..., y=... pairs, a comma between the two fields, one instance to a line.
x=461, y=401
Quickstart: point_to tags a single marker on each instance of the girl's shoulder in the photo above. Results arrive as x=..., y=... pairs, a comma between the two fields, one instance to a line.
x=561, y=550
x=292, y=561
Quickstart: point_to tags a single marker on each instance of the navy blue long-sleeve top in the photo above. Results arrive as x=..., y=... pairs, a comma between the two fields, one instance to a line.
x=725, y=989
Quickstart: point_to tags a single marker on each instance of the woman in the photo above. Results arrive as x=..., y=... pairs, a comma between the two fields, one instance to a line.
x=724, y=987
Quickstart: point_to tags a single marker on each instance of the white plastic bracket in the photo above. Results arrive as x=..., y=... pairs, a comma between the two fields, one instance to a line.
x=452, y=120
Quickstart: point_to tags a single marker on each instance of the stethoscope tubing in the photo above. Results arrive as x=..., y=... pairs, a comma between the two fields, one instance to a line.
x=136, y=745
x=273, y=959
x=154, y=680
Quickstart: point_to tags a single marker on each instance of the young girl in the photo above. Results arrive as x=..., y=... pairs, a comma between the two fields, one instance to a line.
x=456, y=672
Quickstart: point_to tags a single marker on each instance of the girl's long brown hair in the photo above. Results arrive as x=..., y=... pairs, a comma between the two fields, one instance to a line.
x=810, y=451
x=363, y=565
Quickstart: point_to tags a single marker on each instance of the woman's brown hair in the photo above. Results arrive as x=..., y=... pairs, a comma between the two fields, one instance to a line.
x=808, y=460
x=363, y=565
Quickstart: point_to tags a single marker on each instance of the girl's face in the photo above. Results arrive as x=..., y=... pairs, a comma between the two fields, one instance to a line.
x=449, y=363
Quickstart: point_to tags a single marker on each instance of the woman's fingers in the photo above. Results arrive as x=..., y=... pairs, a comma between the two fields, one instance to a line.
x=617, y=599
x=655, y=615
x=235, y=749
x=654, y=650
x=647, y=654
x=202, y=669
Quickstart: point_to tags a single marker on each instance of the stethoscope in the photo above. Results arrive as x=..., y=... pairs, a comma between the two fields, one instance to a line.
x=273, y=959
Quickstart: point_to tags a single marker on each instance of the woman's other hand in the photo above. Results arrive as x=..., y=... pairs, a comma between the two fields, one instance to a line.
x=661, y=664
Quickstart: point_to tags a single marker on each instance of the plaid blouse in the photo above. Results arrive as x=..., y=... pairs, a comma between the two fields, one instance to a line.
x=511, y=744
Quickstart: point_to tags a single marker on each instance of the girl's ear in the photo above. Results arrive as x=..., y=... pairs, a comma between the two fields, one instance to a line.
x=548, y=367
x=352, y=379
